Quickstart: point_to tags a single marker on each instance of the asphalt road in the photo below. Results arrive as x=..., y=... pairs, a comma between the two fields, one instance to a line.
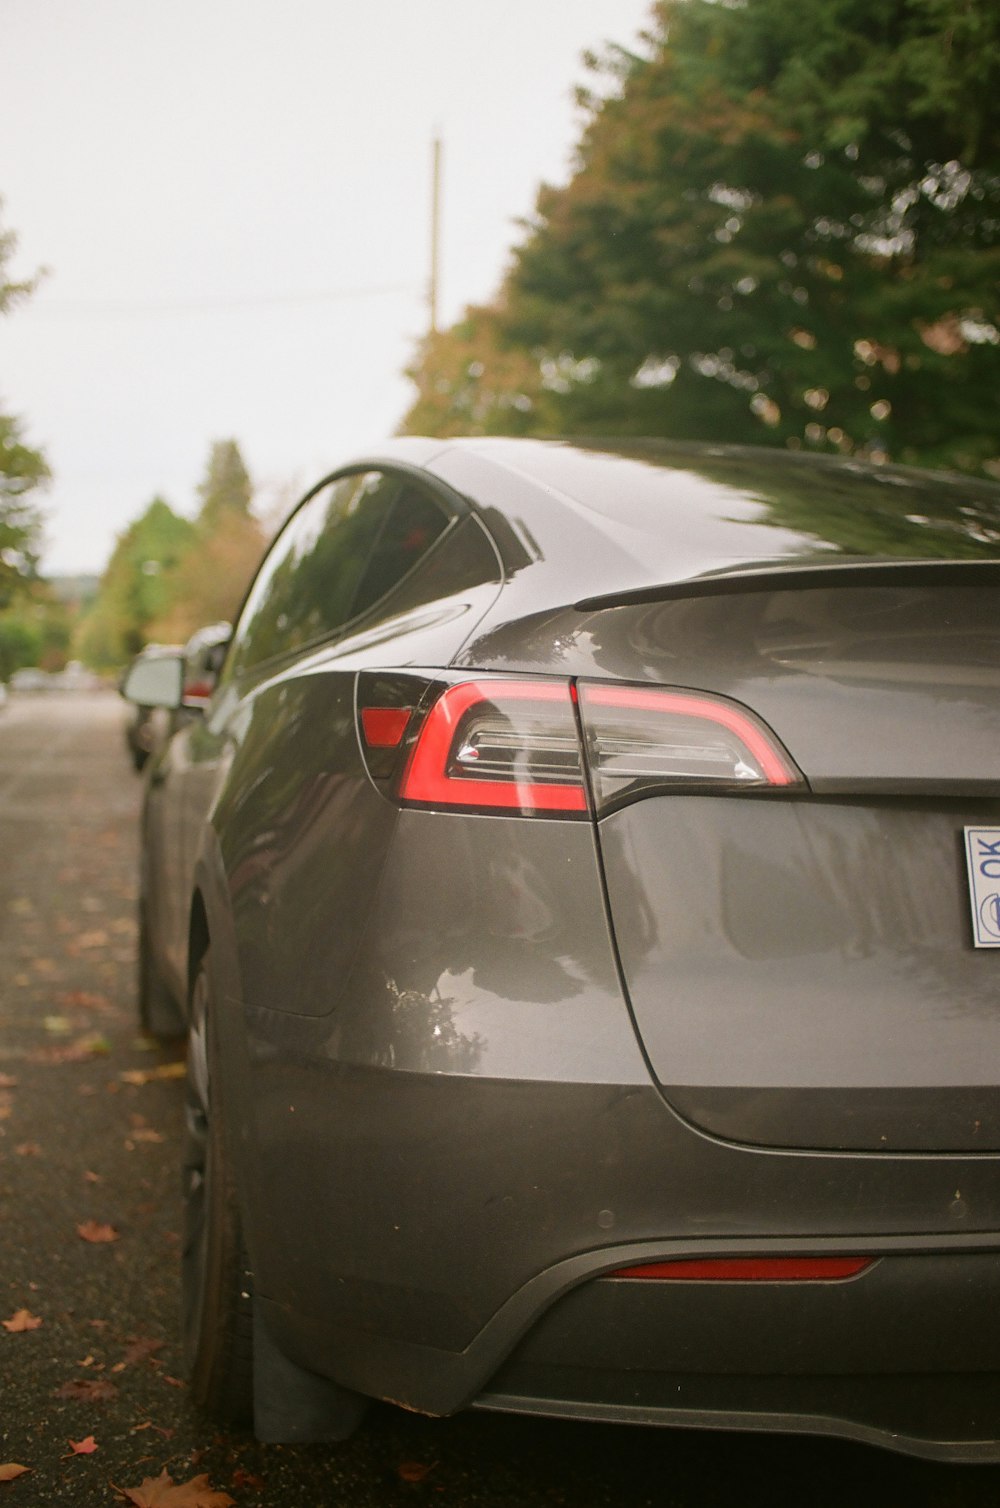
x=90, y=1117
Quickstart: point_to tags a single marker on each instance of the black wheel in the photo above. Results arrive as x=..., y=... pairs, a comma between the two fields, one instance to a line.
x=217, y=1284
x=159, y=1013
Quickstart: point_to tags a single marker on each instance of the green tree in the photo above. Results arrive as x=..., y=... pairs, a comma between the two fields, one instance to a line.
x=225, y=488
x=469, y=382
x=135, y=588
x=783, y=226
x=208, y=581
x=22, y=468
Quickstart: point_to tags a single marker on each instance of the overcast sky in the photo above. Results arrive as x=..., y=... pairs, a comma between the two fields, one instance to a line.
x=232, y=199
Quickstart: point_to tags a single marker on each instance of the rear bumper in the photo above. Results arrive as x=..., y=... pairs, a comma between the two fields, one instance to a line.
x=906, y=1355
x=951, y=1419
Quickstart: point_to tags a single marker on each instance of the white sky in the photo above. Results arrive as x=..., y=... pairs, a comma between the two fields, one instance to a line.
x=232, y=199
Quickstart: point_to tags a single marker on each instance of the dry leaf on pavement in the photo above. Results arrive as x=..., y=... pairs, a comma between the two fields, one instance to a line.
x=141, y=1076
x=93, y=1231
x=9, y=1470
x=414, y=1471
x=85, y=1447
x=87, y=1390
x=163, y=1492
x=21, y=1319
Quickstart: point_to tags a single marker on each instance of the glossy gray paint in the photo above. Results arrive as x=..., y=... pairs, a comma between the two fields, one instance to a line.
x=444, y=1114
x=777, y=947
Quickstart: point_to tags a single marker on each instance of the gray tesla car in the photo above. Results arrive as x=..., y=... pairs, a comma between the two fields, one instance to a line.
x=582, y=892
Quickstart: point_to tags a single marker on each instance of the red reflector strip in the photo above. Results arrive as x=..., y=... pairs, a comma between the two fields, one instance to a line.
x=750, y=1269
x=384, y=726
x=427, y=780
x=689, y=705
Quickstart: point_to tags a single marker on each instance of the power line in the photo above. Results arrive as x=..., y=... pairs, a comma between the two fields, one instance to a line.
x=100, y=307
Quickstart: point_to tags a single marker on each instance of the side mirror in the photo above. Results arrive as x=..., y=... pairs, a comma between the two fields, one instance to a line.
x=155, y=682
x=204, y=655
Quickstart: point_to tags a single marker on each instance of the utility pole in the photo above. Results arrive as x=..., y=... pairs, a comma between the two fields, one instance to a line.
x=432, y=289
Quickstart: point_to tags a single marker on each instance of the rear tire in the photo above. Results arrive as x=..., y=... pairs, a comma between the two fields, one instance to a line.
x=217, y=1284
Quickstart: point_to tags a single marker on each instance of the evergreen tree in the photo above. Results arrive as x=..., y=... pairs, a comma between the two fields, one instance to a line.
x=135, y=588
x=225, y=487
x=783, y=226
x=22, y=468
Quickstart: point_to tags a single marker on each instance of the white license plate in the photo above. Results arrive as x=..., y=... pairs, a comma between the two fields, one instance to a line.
x=982, y=849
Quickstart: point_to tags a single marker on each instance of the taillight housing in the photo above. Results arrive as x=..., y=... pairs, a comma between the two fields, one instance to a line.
x=509, y=746
x=558, y=748
x=644, y=739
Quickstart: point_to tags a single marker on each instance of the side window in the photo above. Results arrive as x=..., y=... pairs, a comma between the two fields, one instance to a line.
x=415, y=521
x=307, y=585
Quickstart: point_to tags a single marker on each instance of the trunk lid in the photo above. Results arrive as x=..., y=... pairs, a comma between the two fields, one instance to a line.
x=801, y=964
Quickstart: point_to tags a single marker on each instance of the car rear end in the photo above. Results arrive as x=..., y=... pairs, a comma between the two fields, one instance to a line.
x=663, y=1085
x=797, y=801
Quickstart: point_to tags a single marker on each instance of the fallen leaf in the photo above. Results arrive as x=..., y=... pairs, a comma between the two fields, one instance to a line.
x=414, y=1471
x=28, y=1149
x=10, y=1470
x=244, y=1478
x=163, y=1492
x=87, y=1390
x=83, y=1000
x=92, y=940
x=93, y=1045
x=148, y=1075
x=139, y=1348
x=7, y=1081
x=85, y=1447
x=97, y=1234
x=56, y=1026
x=21, y=1319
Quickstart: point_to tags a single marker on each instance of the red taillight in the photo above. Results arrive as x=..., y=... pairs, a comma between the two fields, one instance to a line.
x=749, y=1270
x=384, y=726
x=499, y=745
x=642, y=738
x=515, y=746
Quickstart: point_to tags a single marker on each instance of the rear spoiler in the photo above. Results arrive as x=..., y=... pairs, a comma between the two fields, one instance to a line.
x=799, y=577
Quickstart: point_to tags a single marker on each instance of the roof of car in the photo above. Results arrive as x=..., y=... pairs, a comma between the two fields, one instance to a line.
x=619, y=513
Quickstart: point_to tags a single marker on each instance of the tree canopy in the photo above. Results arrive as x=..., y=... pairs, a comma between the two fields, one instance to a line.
x=226, y=486
x=22, y=468
x=783, y=226
x=169, y=576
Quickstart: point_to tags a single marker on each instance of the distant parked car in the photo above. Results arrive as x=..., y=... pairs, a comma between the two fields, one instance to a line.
x=202, y=657
x=147, y=727
x=30, y=678
x=75, y=677
x=583, y=896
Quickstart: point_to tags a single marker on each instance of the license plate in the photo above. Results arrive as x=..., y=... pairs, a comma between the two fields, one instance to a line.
x=982, y=849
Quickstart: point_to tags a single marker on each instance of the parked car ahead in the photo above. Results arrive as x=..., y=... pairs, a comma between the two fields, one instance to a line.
x=202, y=656
x=148, y=726
x=30, y=678
x=582, y=895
